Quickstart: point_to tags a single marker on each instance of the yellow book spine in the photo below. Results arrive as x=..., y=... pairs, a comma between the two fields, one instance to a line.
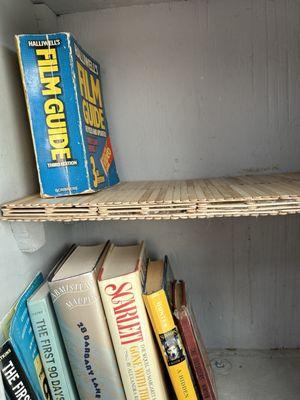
x=170, y=344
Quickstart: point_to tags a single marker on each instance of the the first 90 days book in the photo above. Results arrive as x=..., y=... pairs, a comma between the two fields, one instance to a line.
x=51, y=346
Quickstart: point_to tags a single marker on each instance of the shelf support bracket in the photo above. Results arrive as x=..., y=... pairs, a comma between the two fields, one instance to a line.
x=30, y=237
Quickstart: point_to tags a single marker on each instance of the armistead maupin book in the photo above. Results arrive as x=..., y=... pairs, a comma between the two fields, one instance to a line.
x=76, y=298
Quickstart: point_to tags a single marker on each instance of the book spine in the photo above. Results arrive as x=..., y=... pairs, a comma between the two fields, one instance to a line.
x=170, y=344
x=15, y=381
x=134, y=345
x=84, y=329
x=194, y=354
x=22, y=339
x=101, y=166
x=52, y=352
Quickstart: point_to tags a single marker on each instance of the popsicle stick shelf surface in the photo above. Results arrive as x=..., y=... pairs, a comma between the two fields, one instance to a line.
x=276, y=194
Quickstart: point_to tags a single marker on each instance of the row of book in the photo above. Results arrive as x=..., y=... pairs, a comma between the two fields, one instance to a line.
x=107, y=323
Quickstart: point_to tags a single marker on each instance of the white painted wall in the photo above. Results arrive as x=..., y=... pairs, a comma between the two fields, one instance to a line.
x=208, y=88
x=198, y=88
x=17, y=169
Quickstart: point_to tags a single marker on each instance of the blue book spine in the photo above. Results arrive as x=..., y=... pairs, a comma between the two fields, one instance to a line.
x=66, y=111
x=24, y=344
x=52, y=349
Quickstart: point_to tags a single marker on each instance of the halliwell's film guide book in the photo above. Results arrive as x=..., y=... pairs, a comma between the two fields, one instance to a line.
x=65, y=105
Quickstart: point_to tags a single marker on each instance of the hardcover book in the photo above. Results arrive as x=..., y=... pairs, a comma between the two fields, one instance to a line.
x=17, y=329
x=67, y=117
x=76, y=299
x=156, y=294
x=51, y=346
x=17, y=386
x=193, y=343
x=120, y=280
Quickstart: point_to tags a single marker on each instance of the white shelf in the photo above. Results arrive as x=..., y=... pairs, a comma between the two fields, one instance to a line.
x=257, y=374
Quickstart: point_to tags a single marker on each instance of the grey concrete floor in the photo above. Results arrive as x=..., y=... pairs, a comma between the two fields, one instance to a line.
x=257, y=374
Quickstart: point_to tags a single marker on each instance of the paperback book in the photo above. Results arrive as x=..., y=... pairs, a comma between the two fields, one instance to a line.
x=193, y=343
x=64, y=99
x=156, y=295
x=16, y=329
x=17, y=386
x=51, y=346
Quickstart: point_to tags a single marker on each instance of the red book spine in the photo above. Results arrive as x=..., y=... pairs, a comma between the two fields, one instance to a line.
x=195, y=355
